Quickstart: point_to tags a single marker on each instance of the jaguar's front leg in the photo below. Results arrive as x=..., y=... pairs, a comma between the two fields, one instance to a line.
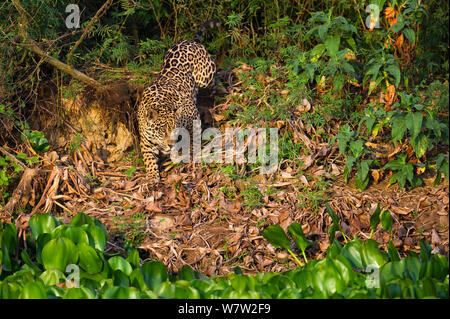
x=150, y=155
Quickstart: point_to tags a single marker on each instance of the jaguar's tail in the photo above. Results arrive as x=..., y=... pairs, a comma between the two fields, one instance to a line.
x=205, y=26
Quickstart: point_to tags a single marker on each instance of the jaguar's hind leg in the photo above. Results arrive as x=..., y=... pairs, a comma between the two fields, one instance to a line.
x=186, y=115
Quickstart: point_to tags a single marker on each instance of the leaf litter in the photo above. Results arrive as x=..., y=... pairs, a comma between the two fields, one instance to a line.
x=211, y=220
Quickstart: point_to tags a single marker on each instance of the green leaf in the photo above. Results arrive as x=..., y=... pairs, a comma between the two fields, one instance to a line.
x=370, y=255
x=133, y=258
x=237, y=270
x=392, y=251
x=41, y=224
x=328, y=277
x=186, y=273
x=398, y=26
x=370, y=121
x=395, y=72
x=120, y=279
x=432, y=124
x=76, y=234
x=399, y=177
x=58, y=253
x=42, y=240
x=89, y=261
x=323, y=29
x=183, y=290
x=414, y=124
x=27, y=260
x=155, y=273
x=410, y=35
x=38, y=141
x=8, y=238
x=375, y=218
x=372, y=86
x=119, y=263
x=373, y=70
x=121, y=293
x=296, y=232
x=425, y=250
x=334, y=217
x=348, y=167
x=130, y=171
x=276, y=236
x=81, y=219
x=352, y=251
x=362, y=178
x=398, y=128
x=386, y=220
x=137, y=279
x=364, y=168
x=97, y=237
x=166, y=290
x=51, y=277
x=332, y=45
x=397, y=164
x=348, y=68
x=351, y=42
x=408, y=171
x=33, y=290
x=442, y=166
x=78, y=293
x=357, y=147
x=335, y=227
x=317, y=51
x=420, y=145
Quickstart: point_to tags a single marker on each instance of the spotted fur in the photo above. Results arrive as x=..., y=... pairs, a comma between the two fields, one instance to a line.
x=170, y=102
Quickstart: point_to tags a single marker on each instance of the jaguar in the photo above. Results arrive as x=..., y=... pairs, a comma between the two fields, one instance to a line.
x=170, y=101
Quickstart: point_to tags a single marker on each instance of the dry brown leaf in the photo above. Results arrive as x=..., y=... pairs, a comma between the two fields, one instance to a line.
x=435, y=239
x=307, y=162
x=153, y=207
x=304, y=180
x=400, y=210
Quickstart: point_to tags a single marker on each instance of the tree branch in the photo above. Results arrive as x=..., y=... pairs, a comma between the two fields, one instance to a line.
x=104, y=7
x=32, y=46
x=29, y=44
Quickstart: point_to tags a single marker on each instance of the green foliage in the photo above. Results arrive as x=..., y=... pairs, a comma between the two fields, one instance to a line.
x=318, y=51
x=72, y=266
x=252, y=197
x=354, y=150
x=329, y=59
x=382, y=67
x=409, y=123
x=403, y=172
x=9, y=169
x=381, y=274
